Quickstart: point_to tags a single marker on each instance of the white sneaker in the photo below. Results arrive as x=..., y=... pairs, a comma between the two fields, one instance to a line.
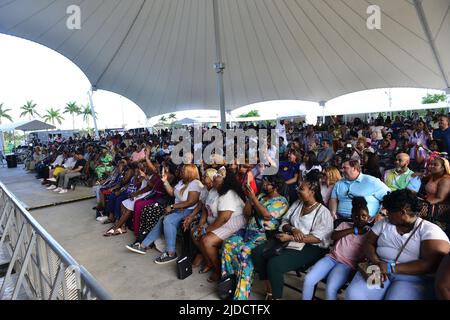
x=57, y=190
x=41, y=180
x=52, y=187
x=52, y=179
x=102, y=219
x=63, y=191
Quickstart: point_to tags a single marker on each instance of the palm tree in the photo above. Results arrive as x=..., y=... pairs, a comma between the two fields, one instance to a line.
x=163, y=120
x=29, y=109
x=74, y=110
x=53, y=115
x=4, y=113
x=172, y=117
x=87, y=113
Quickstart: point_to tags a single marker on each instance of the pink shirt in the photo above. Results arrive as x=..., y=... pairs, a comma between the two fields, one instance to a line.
x=138, y=156
x=348, y=250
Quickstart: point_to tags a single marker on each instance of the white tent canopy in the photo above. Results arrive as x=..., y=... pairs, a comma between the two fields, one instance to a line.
x=160, y=53
x=187, y=121
x=32, y=125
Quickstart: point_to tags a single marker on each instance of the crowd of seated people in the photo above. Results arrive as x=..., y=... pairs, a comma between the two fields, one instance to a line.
x=345, y=196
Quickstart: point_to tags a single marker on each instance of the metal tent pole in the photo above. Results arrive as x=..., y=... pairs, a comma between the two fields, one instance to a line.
x=219, y=66
x=91, y=102
x=323, y=105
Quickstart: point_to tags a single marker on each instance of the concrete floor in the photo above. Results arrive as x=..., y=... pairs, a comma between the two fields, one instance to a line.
x=32, y=194
x=125, y=275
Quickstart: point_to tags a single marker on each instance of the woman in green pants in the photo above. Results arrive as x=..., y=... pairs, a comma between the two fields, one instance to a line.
x=307, y=227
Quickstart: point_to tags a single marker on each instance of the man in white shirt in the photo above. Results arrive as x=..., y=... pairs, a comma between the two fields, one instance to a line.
x=281, y=130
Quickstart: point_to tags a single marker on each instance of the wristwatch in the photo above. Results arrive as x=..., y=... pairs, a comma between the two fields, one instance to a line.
x=171, y=207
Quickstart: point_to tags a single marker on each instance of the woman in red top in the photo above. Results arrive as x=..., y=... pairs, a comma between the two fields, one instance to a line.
x=246, y=177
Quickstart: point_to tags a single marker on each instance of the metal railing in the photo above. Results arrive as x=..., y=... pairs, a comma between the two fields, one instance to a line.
x=43, y=268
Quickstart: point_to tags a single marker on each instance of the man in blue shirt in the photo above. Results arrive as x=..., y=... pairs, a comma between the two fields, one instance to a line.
x=290, y=172
x=356, y=184
x=443, y=133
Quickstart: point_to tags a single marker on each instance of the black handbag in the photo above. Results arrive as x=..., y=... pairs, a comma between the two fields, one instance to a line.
x=273, y=247
x=184, y=267
x=184, y=262
x=227, y=287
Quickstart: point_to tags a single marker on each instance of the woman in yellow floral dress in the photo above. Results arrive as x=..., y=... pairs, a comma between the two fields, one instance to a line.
x=269, y=207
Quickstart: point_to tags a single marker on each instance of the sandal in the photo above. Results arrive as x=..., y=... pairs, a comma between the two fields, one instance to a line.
x=268, y=296
x=206, y=269
x=109, y=233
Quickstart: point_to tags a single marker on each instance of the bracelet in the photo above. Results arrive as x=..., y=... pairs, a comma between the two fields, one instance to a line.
x=356, y=231
x=389, y=271
x=393, y=265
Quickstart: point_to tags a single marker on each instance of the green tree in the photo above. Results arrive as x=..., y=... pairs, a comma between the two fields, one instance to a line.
x=162, y=121
x=172, y=117
x=29, y=109
x=53, y=115
x=250, y=114
x=74, y=110
x=86, y=112
x=434, y=98
x=4, y=114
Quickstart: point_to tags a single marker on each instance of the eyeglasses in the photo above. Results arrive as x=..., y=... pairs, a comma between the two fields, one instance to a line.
x=349, y=194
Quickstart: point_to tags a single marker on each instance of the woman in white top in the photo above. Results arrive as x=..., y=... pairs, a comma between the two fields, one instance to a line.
x=307, y=228
x=405, y=249
x=230, y=218
x=309, y=164
x=209, y=199
x=187, y=194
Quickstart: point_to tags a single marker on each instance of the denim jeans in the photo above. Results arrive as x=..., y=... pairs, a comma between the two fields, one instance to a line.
x=336, y=273
x=398, y=287
x=113, y=204
x=169, y=224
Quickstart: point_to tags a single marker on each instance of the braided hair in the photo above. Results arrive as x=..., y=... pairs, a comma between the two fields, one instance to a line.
x=313, y=179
